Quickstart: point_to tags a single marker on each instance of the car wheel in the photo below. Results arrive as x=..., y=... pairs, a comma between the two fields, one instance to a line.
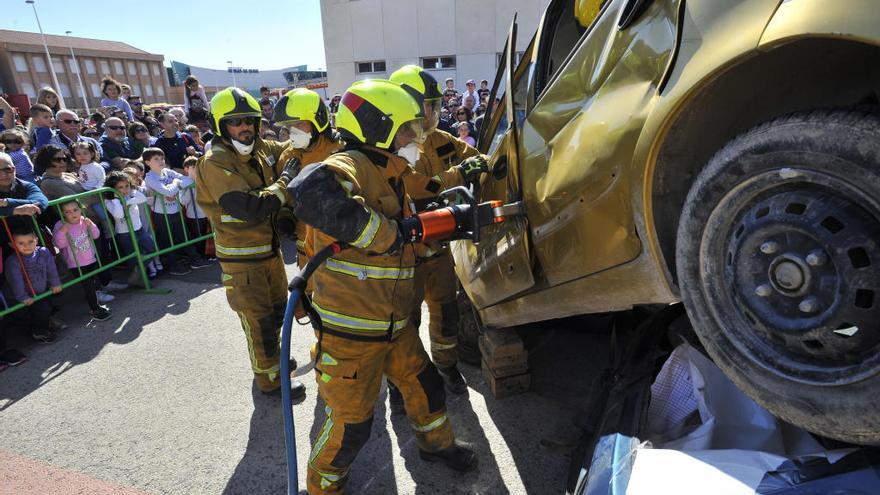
x=778, y=259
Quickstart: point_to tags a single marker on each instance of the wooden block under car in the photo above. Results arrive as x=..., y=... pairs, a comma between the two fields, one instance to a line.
x=515, y=364
x=506, y=386
x=501, y=342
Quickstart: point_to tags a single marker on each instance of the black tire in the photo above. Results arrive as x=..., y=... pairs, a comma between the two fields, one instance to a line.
x=779, y=268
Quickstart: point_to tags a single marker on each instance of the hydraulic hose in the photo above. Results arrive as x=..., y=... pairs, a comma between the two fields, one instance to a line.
x=297, y=287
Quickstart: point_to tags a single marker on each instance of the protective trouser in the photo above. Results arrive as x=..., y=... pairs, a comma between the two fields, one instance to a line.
x=437, y=284
x=349, y=374
x=257, y=291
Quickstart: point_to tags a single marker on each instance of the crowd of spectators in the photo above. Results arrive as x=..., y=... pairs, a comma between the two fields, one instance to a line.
x=146, y=159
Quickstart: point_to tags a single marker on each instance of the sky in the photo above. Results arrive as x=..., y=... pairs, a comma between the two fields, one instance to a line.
x=253, y=34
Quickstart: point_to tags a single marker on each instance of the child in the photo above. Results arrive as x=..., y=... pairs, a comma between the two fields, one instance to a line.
x=30, y=272
x=133, y=197
x=40, y=126
x=112, y=91
x=91, y=174
x=196, y=220
x=74, y=236
x=16, y=147
x=164, y=184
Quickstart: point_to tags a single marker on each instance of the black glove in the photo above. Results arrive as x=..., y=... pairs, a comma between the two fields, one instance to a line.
x=285, y=223
x=472, y=167
x=409, y=231
x=291, y=169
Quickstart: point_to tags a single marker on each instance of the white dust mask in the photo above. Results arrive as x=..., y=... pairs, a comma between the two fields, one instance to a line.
x=243, y=149
x=299, y=139
x=410, y=153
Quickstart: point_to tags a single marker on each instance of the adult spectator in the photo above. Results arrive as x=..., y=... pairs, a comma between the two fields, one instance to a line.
x=18, y=199
x=195, y=102
x=267, y=108
x=112, y=92
x=69, y=127
x=47, y=96
x=139, y=137
x=334, y=103
x=450, y=92
x=471, y=92
x=179, y=113
x=484, y=90
x=52, y=162
x=137, y=109
x=116, y=144
x=462, y=114
x=176, y=145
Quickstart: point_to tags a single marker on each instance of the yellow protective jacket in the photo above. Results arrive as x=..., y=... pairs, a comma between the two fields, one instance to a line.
x=441, y=152
x=326, y=145
x=362, y=293
x=240, y=196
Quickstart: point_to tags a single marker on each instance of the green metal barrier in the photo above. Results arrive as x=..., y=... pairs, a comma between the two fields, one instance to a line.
x=140, y=258
x=190, y=191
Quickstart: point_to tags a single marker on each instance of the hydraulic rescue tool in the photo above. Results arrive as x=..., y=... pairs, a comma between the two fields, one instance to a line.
x=455, y=221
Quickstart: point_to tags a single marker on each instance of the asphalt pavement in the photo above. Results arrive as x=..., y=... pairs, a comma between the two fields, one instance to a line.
x=159, y=400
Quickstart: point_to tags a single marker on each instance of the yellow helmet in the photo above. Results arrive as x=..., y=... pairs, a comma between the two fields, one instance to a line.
x=373, y=110
x=302, y=104
x=231, y=103
x=425, y=89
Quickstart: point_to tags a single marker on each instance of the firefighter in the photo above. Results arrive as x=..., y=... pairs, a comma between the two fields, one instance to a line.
x=312, y=139
x=445, y=159
x=241, y=189
x=363, y=295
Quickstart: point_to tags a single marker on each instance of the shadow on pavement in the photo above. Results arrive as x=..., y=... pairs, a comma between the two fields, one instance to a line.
x=85, y=338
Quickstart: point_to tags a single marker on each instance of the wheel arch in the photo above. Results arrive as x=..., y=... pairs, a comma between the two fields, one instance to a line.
x=793, y=75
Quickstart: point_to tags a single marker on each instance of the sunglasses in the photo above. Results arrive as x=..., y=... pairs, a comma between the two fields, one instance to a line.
x=116, y=127
x=64, y=158
x=69, y=121
x=13, y=141
x=139, y=130
x=135, y=103
x=237, y=121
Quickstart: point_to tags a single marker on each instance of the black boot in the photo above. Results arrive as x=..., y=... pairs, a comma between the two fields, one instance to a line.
x=458, y=457
x=453, y=380
x=395, y=400
x=297, y=391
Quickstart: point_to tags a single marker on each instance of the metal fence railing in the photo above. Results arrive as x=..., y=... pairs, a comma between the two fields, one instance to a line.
x=94, y=205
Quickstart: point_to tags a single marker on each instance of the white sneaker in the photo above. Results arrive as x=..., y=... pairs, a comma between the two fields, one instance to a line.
x=103, y=297
x=114, y=285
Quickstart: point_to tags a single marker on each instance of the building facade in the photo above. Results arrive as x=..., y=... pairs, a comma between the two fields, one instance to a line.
x=24, y=68
x=250, y=80
x=461, y=39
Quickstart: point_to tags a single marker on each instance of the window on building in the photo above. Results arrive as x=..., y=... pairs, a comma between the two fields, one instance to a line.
x=65, y=90
x=74, y=69
x=90, y=66
x=58, y=65
x=117, y=64
x=39, y=64
x=156, y=70
x=96, y=90
x=160, y=90
x=370, y=67
x=132, y=69
x=20, y=62
x=149, y=89
x=136, y=89
x=144, y=70
x=105, y=68
x=28, y=89
x=446, y=62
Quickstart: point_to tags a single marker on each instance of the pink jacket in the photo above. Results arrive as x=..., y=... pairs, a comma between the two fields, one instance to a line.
x=78, y=235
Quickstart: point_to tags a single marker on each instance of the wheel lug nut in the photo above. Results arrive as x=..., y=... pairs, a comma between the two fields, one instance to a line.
x=763, y=290
x=817, y=258
x=769, y=247
x=809, y=305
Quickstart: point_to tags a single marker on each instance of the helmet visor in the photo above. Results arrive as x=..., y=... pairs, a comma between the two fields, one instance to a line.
x=412, y=131
x=432, y=115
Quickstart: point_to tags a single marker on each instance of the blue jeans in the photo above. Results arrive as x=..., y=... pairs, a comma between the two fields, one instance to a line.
x=144, y=240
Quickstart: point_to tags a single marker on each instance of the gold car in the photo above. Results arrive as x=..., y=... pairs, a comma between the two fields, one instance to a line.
x=723, y=153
